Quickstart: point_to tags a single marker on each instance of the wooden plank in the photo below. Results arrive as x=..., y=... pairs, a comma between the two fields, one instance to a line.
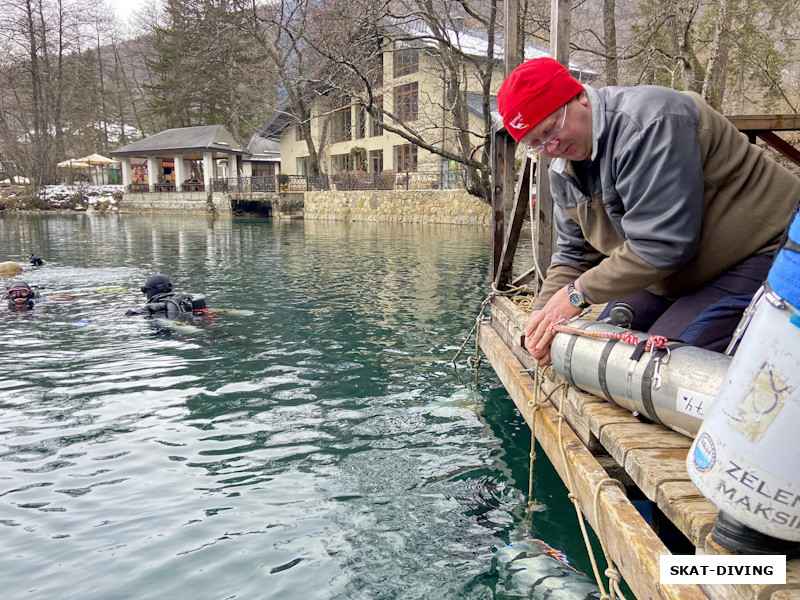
x=600, y=414
x=621, y=439
x=514, y=227
x=630, y=542
x=788, y=122
x=688, y=509
x=652, y=468
x=500, y=155
x=781, y=146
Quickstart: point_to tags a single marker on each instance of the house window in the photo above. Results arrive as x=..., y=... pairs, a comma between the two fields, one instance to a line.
x=361, y=122
x=405, y=157
x=376, y=128
x=302, y=165
x=406, y=61
x=339, y=163
x=263, y=169
x=376, y=161
x=405, y=102
x=341, y=128
x=298, y=133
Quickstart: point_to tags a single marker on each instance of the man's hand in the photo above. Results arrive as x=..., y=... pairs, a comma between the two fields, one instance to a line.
x=537, y=332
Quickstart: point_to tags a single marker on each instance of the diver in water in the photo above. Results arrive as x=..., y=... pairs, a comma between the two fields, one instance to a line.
x=163, y=303
x=36, y=260
x=21, y=295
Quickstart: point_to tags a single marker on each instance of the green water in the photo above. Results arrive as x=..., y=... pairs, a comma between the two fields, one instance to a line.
x=324, y=447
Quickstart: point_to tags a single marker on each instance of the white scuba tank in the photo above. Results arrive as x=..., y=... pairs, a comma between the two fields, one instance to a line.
x=746, y=455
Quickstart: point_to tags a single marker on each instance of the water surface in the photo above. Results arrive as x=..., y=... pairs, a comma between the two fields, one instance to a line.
x=324, y=447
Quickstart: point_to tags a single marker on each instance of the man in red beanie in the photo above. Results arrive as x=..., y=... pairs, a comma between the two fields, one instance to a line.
x=660, y=204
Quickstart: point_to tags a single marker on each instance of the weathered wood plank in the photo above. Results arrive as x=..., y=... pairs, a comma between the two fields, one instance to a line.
x=788, y=122
x=600, y=414
x=652, y=468
x=631, y=543
x=691, y=512
x=621, y=439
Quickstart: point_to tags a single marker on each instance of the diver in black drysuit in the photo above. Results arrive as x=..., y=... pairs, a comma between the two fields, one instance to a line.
x=164, y=303
x=21, y=295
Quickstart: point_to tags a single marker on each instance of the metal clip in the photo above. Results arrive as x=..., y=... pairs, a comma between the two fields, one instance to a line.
x=657, y=379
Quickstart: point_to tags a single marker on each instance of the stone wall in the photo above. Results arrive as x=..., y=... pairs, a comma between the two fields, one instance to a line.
x=455, y=207
x=175, y=202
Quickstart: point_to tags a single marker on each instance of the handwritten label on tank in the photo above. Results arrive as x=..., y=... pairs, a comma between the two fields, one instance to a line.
x=760, y=404
x=690, y=402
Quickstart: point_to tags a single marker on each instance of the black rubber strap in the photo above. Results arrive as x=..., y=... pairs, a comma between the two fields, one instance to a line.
x=601, y=369
x=568, y=358
x=638, y=351
x=647, y=384
x=647, y=387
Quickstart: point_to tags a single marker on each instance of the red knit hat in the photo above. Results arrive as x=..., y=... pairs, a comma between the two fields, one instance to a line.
x=534, y=90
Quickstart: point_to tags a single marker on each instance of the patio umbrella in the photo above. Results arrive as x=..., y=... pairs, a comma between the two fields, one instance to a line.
x=96, y=160
x=73, y=163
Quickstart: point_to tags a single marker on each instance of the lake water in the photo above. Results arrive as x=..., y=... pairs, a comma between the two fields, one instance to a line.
x=324, y=447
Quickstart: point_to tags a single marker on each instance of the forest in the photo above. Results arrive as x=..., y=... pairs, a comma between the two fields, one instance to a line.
x=77, y=79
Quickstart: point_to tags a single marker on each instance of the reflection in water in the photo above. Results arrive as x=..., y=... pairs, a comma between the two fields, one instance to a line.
x=323, y=447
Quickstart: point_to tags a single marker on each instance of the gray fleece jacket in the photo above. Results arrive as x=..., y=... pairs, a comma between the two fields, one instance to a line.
x=673, y=196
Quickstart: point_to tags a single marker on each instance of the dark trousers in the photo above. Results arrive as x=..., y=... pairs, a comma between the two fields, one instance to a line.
x=708, y=315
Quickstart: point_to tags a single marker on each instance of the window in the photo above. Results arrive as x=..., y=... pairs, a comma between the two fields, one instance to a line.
x=405, y=157
x=302, y=165
x=298, y=133
x=376, y=128
x=376, y=161
x=361, y=122
x=339, y=163
x=263, y=169
x=405, y=102
x=341, y=126
x=406, y=61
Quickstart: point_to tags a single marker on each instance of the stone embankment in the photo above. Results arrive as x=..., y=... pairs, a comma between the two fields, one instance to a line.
x=455, y=207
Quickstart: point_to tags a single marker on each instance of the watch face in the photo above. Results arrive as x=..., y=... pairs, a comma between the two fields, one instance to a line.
x=576, y=298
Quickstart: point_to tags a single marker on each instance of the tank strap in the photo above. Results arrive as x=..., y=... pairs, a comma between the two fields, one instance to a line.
x=570, y=346
x=647, y=379
x=601, y=368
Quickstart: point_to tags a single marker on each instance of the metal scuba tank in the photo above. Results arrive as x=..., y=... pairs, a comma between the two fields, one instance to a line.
x=746, y=455
x=672, y=388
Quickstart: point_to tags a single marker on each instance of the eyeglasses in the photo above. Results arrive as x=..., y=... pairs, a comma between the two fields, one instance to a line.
x=18, y=293
x=532, y=151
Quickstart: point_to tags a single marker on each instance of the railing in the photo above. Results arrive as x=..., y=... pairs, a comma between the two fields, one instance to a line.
x=391, y=180
x=346, y=180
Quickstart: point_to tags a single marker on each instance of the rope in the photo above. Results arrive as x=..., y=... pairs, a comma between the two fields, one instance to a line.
x=654, y=342
x=536, y=403
x=516, y=292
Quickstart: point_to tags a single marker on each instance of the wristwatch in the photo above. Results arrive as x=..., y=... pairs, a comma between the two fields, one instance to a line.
x=576, y=297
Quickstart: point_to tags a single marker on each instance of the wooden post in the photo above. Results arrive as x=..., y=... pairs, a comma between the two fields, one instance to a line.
x=560, y=19
x=503, y=151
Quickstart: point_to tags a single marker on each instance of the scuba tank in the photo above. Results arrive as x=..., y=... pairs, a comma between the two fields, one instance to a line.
x=746, y=455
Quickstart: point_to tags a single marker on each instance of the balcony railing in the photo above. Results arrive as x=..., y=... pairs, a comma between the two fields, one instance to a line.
x=346, y=180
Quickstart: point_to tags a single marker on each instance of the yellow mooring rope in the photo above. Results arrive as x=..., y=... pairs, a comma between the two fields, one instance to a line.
x=536, y=403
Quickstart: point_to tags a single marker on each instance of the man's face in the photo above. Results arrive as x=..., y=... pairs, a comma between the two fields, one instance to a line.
x=566, y=133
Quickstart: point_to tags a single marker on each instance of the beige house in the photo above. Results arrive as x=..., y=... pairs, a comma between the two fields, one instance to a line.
x=413, y=90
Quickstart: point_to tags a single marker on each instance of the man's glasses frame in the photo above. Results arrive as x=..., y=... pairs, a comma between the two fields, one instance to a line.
x=533, y=151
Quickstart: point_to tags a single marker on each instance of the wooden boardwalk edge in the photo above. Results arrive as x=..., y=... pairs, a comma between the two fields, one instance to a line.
x=652, y=457
x=629, y=540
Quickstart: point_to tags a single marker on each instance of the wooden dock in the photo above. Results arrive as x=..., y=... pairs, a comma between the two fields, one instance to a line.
x=613, y=457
